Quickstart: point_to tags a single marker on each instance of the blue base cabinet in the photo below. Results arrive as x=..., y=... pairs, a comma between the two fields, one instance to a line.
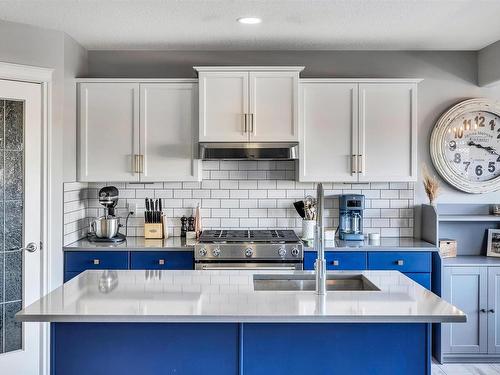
x=417, y=265
x=75, y=262
x=240, y=348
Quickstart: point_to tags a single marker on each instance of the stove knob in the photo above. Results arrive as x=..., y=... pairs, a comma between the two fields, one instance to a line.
x=202, y=252
x=216, y=251
x=282, y=251
x=248, y=252
x=295, y=252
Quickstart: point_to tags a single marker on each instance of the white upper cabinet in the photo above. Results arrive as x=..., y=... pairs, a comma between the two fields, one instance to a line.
x=133, y=131
x=328, y=141
x=108, y=131
x=223, y=106
x=388, y=132
x=168, y=135
x=273, y=106
x=241, y=104
x=358, y=130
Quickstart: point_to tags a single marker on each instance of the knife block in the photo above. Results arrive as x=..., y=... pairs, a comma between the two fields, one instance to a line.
x=153, y=230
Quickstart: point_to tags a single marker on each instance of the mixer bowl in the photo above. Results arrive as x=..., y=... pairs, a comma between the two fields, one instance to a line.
x=106, y=227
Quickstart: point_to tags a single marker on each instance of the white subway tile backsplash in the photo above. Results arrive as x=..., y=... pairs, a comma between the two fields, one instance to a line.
x=243, y=194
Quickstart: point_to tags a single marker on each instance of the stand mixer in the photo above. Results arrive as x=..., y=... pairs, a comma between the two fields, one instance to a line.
x=105, y=228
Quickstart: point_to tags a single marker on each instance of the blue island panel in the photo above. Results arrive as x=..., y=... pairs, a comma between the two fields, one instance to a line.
x=336, y=349
x=144, y=348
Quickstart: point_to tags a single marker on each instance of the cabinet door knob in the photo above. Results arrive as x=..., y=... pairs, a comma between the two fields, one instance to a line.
x=491, y=311
x=335, y=262
x=96, y=262
x=161, y=262
x=483, y=310
x=400, y=262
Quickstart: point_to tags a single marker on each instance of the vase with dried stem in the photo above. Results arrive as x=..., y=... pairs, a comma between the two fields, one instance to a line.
x=431, y=185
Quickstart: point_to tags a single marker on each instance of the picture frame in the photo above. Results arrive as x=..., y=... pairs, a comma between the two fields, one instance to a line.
x=493, y=245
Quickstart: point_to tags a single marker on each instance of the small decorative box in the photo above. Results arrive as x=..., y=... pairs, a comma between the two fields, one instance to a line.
x=447, y=248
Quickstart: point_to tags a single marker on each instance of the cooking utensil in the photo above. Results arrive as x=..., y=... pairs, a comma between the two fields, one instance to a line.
x=299, y=206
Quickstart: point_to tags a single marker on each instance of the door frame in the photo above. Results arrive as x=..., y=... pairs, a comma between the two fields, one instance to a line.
x=44, y=77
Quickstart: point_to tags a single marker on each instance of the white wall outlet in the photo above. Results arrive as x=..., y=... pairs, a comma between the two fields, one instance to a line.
x=132, y=207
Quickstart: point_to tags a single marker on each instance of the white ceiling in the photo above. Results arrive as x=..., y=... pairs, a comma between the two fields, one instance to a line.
x=287, y=24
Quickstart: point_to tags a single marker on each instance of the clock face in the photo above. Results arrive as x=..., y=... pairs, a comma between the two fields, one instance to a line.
x=465, y=146
x=472, y=146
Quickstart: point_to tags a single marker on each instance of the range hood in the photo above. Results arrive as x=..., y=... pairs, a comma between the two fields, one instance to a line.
x=249, y=151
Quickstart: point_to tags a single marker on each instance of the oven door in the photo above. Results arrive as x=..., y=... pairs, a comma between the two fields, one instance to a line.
x=249, y=266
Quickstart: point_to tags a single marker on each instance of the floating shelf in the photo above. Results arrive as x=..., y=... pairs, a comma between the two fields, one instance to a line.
x=468, y=218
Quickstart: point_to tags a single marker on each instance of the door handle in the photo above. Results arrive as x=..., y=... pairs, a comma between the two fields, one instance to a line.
x=483, y=310
x=361, y=166
x=30, y=248
x=354, y=164
x=136, y=163
x=245, y=122
x=491, y=311
x=141, y=163
x=252, y=122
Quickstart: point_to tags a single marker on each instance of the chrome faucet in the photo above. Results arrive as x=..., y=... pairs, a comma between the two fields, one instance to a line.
x=319, y=243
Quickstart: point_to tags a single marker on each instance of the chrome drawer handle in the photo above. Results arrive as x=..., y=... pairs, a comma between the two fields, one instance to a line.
x=335, y=262
x=400, y=262
x=96, y=262
x=161, y=262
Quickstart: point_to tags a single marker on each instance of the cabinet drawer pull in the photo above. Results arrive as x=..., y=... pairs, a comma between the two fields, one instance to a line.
x=335, y=262
x=360, y=162
x=96, y=262
x=400, y=262
x=161, y=262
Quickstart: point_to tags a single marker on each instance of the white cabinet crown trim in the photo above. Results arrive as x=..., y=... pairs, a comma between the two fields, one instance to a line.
x=248, y=68
x=136, y=80
x=361, y=80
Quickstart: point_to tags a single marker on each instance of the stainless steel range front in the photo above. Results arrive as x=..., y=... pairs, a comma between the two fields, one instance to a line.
x=249, y=249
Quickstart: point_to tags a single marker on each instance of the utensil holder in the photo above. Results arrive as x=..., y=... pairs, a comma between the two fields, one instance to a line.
x=153, y=230
x=308, y=228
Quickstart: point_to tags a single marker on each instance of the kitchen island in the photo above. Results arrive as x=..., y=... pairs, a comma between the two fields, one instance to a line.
x=240, y=322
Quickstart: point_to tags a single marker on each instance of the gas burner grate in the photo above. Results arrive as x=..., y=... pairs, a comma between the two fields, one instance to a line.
x=263, y=235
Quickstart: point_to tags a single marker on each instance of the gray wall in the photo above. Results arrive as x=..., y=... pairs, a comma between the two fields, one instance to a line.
x=24, y=44
x=488, y=65
x=448, y=78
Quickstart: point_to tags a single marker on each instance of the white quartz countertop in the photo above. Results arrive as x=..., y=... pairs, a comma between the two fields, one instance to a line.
x=134, y=243
x=229, y=296
x=181, y=244
x=384, y=244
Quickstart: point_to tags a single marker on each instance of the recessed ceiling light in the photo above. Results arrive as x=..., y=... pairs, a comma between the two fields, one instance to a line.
x=249, y=20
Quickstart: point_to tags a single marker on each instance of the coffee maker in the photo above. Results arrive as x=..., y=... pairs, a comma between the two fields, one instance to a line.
x=105, y=228
x=351, y=208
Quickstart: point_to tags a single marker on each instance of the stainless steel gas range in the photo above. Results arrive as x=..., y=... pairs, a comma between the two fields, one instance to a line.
x=249, y=249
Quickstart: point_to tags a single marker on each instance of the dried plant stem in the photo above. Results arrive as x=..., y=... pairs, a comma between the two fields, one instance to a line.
x=431, y=184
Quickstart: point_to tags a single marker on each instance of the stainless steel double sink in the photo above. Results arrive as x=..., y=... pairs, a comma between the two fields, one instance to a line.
x=334, y=282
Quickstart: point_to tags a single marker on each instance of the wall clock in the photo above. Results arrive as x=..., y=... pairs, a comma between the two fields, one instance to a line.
x=465, y=146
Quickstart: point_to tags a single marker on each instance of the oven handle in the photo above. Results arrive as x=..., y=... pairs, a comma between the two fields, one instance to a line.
x=288, y=268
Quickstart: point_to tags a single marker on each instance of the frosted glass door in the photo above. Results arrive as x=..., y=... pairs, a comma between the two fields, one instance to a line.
x=20, y=212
